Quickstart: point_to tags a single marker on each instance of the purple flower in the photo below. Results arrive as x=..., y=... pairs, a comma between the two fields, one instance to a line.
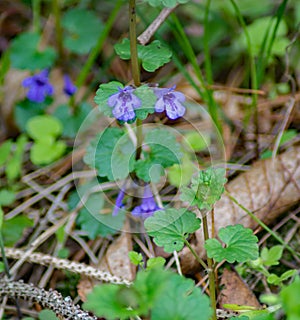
x=123, y=103
x=171, y=101
x=118, y=204
x=39, y=86
x=148, y=205
x=69, y=87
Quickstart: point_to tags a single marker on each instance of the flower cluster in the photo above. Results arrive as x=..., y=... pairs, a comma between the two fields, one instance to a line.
x=146, y=209
x=39, y=86
x=124, y=103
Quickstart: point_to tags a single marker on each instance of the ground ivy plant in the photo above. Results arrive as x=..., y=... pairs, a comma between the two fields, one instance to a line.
x=127, y=152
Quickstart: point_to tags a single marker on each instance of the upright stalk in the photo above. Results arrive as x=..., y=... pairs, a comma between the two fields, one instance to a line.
x=36, y=9
x=58, y=29
x=210, y=271
x=135, y=69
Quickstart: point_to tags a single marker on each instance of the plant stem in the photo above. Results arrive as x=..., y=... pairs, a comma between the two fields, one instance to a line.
x=36, y=9
x=5, y=262
x=133, y=44
x=135, y=70
x=58, y=29
x=203, y=264
x=264, y=226
x=210, y=270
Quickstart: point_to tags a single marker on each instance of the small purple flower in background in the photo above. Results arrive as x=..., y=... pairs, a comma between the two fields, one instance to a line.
x=123, y=103
x=69, y=87
x=39, y=86
x=171, y=101
x=147, y=207
x=118, y=204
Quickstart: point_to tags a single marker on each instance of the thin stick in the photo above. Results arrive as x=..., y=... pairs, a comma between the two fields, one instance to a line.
x=145, y=37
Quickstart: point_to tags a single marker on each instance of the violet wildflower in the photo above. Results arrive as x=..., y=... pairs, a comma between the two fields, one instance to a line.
x=171, y=101
x=118, y=204
x=69, y=87
x=147, y=207
x=39, y=86
x=123, y=103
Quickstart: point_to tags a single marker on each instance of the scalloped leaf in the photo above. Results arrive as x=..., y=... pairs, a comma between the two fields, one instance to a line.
x=241, y=245
x=171, y=227
x=152, y=56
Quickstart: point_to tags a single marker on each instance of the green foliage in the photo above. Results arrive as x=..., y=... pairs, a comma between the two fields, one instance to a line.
x=7, y=197
x=12, y=159
x=1, y=219
x=112, y=154
x=180, y=174
x=165, y=3
x=167, y=295
x=90, y=219
x=135, y=258
x=13, y=229
x=278, y=280
x=47, y=315
x=152, y=56
x=148, y=99
x=156, y=262
x=241, y=245
x=2, y=267
x=72, y=122
x=206, y=189
x=26, y=109
x=82, y=30
x=25, y=53
x=257, y=31
x=164, y=152
x=271, y=257
x=44, y=130
x=171, y=227
x=196, y=141
x=290, y=300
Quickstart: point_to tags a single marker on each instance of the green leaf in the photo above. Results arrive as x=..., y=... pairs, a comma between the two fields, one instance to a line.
x=44, y=152
x=274, y=279
x=180, y=174
x=5, y=149
x=25, y=53
x=153, y=56
x=7, y=197
x=135, y=258
x=47, y=315
x=1, y=219
x=241, y=245
x=43, y=126
x=13, y=167
x=27, y=109
x=196, y=141
x=82, y=30
x=171, y=227
x=90, y=219
x=156, y=262
x=257, y=36
x=112, y=153
x=72, y=122
x=290, y=300
x=164, y=152
x=181, y=300
x=2, y=267
x=13, y=229
x=106, y=301
x=206, y=189
x=271, y=257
